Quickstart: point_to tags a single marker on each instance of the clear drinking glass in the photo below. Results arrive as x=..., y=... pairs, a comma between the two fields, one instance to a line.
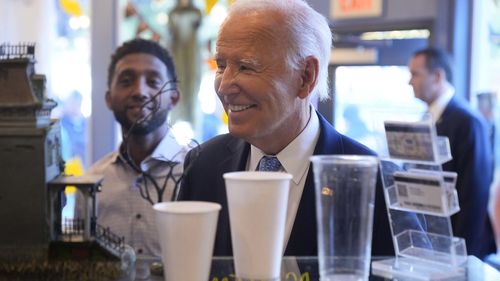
x=345, y=195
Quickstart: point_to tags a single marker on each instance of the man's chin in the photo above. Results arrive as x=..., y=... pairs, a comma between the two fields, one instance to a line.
x=141, y=127
x=240, y=132
x=141, y=131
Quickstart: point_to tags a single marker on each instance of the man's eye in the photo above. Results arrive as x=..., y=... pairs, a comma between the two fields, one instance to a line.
x=125, y=81
x=155, y=83
x=246, y=68
x=220, y=68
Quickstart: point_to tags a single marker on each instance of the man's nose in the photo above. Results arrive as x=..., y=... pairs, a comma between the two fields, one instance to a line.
x=141, y=88
x=225, y=82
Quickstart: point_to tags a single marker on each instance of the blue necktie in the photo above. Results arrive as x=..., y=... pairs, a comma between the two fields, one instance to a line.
x=269, y=163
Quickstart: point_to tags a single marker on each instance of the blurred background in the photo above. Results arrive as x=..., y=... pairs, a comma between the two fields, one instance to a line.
x=368, y=67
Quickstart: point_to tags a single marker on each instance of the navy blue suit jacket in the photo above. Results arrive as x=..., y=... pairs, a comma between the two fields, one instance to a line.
x=203, y=180
x=473, y=161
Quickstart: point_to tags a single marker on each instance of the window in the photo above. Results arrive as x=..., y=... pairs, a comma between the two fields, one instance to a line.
x=361, y=108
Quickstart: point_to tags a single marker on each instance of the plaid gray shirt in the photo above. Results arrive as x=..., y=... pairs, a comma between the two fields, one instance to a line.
x=120, y=204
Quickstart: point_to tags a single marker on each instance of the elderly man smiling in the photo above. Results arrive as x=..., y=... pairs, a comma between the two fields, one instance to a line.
x=272, y=59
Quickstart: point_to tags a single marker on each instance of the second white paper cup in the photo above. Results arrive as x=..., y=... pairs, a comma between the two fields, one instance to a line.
x=257, y=204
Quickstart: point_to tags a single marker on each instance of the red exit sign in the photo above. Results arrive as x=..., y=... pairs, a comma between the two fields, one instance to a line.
x=344, y=9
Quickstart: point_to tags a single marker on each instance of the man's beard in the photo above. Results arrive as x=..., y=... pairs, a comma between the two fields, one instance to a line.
x=141, y=127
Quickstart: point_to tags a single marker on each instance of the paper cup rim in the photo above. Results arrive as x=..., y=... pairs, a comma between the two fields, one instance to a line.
x=257, y=176
x=345, y=159
x=186, y=207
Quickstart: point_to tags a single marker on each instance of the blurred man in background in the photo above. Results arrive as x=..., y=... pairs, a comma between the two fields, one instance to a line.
x=431, y=77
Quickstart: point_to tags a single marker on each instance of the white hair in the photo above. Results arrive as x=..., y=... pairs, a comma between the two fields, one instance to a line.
x=308, y=32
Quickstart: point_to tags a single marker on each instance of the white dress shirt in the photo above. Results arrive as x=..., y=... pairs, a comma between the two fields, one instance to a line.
x=120, y=205
x=294, y=160
x=437, y=107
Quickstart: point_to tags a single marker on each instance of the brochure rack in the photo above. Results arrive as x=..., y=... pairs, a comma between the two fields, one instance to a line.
x=420, y=199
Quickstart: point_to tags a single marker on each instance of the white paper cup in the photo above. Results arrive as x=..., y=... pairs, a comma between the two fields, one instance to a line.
x=187, y=232
x=257, y=204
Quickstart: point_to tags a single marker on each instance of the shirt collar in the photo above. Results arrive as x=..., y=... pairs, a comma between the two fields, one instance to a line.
x=168, y=150
x=302, y=147
x=437, y=107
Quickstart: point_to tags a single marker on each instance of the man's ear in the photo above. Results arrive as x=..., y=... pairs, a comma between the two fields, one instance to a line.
x=308, y=76
x=107, y=97
x=440, y=75
x=175, y=96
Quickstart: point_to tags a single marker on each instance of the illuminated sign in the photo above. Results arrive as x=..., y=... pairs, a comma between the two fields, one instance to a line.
x=346, y=9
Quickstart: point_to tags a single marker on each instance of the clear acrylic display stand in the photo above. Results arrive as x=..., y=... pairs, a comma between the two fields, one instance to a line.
x=420, y=199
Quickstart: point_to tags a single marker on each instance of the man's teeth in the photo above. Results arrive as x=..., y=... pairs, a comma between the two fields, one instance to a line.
x=237, y=108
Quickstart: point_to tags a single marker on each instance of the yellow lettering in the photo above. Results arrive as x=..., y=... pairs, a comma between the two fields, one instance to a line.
x=235, y=278
x=217, y=279
x=291, y=274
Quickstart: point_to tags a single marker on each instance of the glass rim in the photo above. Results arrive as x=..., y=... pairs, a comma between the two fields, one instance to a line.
x=345, y=159
x=256, y=175
x=186, y=207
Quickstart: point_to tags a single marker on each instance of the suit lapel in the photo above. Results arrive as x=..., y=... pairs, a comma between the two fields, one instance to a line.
x=304, y=228
x=234, y=160
x=446, y=112
x=236, y=157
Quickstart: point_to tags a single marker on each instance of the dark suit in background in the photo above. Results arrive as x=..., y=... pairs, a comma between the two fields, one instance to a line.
x=203, y=181
x=431, y=73
x=473, y=161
